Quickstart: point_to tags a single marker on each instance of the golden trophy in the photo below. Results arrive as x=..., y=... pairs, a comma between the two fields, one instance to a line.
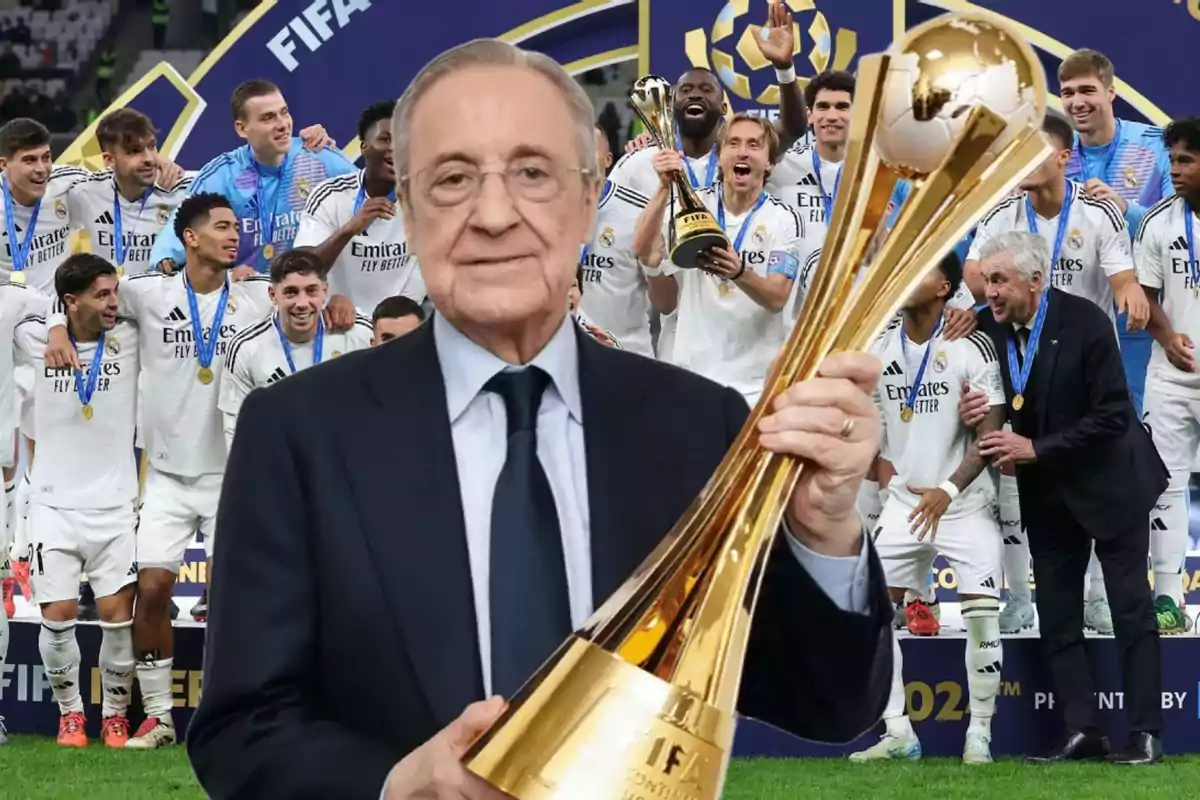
x=641, y=701
x=693, y=229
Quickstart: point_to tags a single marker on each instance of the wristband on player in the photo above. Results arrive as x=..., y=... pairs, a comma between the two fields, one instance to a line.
x=949, y=488
x=785, y=76
x=651, y=272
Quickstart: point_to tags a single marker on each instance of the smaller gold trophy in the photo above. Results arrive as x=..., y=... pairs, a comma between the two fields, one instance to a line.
x=693, y=229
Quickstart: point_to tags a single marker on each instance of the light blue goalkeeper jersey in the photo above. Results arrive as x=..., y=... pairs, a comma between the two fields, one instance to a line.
x=282, y=192
x=1138, y=168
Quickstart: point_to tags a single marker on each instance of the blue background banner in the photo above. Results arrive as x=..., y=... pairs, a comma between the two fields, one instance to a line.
x=935, y=677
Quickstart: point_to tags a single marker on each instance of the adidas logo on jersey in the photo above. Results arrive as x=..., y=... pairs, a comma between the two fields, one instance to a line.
x=1157, y=524
x=105, y=219
x=808, y=180
x=989, y=583
x=893, y=369
x=176, y=315
x=1180, y=243
x=277, y=375
x=1012, y=540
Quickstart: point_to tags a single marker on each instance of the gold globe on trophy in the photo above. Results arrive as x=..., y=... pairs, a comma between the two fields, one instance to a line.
x=693, y=229
x=641, y=701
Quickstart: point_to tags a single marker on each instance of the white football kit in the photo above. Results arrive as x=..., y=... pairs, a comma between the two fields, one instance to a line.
x=926, y=450
x=97, y=206
x=184, y=437
x=723, y=334
x=1172, y=400
x=795, y=181
x=256, y=357
x=375, y=264
x=1095, y=244
x=84, y=480
x=614, y=293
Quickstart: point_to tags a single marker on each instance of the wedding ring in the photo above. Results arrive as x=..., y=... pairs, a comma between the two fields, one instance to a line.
x=847, y=428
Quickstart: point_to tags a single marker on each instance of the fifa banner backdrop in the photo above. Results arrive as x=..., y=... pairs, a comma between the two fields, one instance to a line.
x=936, y=686
x=332, y=58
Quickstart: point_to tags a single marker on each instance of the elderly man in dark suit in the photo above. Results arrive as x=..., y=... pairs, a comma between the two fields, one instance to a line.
x=1086, y=471
x=480, y=485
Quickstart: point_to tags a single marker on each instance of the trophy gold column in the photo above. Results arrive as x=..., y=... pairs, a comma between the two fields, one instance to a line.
x=693, y=229
x=641, y=701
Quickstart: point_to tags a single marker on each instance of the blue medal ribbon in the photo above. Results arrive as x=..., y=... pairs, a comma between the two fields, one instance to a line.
x=587, y=248
x=1064, y=221
x=1191, y=244
x=737, y=244
x=118, y=227
x=915, y=389
x=86, y=390
x=1109, y=155
x=710, y=172
x=362, y=198
x=20, y=253
x=266, y=215
x=206, y=348
x=318, y=343
x=826, y=197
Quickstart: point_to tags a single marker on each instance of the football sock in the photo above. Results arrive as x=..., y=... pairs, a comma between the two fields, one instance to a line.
x=1016, y=543
x=1096, y=589
x=116, y=666
x=155, y=679
x=60, y=657
x=984, y=657
x=897, y=722
x=1169, y=543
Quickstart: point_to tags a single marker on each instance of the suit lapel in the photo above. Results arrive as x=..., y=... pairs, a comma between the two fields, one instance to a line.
x=620, y=467
x=1047, y=355
x=412, y=518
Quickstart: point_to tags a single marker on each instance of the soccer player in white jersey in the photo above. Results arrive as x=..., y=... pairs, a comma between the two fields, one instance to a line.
x=291, y=339
x=1168, y=266
x=123, y=207
x=1089, y=241
x=351, y=222
x=731, y=323
x=84, y=492
x=939, y=498
x=185, y=322
x=615, y=297
x=394, y=317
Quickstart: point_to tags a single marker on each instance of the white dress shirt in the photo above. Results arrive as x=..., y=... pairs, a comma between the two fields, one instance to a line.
x=478, y=425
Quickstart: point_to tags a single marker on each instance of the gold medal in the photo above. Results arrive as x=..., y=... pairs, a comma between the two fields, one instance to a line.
x=18, y=277
x=120, y=272
x=906, y=414
x=723, y=288
x=1018, y=402
x=88, y=413
x=205, y=375
x=268, y=251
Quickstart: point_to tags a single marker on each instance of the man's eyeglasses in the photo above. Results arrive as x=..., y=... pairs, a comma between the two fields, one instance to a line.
x=454, y=184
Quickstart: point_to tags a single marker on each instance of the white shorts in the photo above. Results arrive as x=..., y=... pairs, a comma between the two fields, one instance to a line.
x=173, y=509
x=24, y=379
x=1174, y=423
x=67, y=542
x=971, y=543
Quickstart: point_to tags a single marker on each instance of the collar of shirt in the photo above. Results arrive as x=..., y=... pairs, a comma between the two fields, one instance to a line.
x=466, y=366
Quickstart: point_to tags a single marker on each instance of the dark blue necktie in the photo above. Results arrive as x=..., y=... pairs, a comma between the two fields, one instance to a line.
x=530, y=608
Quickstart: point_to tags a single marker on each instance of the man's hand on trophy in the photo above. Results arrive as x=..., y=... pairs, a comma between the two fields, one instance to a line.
x=722, y=263
x=642, y=140
x=831, y=422
x=435, y=771
x=668, y=164
x=776, y=39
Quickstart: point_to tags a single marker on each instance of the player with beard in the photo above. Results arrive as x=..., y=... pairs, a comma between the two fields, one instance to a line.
x=731, y=323
x=1168, y=267
x=289, y=340
x=939, y=499
x=84, y=492
x=123, y=208
x=352, y=224
x=394, y=317
x=186, y=321
x=1092, y=259
x=268, y=180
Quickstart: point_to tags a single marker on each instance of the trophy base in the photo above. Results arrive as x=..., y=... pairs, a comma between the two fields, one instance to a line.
x=695, y=232
x=591, y=726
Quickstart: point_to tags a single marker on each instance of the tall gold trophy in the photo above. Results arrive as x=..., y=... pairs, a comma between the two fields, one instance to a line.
x=693, y=229
x=641, y=701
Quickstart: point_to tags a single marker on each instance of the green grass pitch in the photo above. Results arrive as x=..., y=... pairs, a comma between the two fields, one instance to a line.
x=34, y=768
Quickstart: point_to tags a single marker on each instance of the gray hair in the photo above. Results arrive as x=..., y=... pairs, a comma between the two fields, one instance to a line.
x=1029, y=251
x=496, y=53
